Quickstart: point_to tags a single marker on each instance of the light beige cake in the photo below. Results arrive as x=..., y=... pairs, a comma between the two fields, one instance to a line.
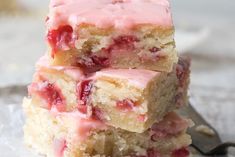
x=130, y=99
x=109, y=82
x=63, y=134
x=111, y=34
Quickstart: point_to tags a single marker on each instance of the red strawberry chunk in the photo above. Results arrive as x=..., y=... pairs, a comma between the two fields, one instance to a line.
x=84, y=91
x=125, y=105
x=125, y=39
x=153, y=153
x=124, y=42
x=182, y=70
x=100, y=61
x=62, y=38
x=50, y=93
x=93, y=63
x=183, y=152
x=141, y=118
x=154, y=50
x=97, y=114
x=82, y=109
x=149, y=153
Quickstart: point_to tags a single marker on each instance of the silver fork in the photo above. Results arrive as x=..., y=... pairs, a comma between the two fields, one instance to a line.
x=204, y=144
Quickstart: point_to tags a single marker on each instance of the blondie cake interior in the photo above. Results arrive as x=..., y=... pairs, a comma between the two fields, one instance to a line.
x=62, y=134
x=111, y=33
x=130, y=99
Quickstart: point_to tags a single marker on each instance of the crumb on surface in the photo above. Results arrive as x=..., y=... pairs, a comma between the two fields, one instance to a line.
x=205, y=130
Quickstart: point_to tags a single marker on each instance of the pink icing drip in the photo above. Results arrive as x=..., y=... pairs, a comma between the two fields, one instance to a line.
x=84, y=125
x=43, y=64
x=109, y=13
x=59, y=147
x=137, y=77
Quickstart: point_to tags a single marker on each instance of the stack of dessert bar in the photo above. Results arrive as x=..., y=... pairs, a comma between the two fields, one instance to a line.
x=110, y=84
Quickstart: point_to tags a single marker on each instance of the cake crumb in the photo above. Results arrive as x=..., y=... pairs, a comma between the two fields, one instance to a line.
x=205, y=130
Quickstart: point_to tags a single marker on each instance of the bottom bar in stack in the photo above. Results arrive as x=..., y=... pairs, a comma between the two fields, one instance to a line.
x=72, y=134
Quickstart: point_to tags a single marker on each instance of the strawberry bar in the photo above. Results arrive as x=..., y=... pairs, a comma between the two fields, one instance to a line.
x=60, y=134
x=130, y=99
x=111, y=34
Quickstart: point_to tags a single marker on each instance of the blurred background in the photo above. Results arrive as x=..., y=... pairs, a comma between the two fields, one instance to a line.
x=205, y=30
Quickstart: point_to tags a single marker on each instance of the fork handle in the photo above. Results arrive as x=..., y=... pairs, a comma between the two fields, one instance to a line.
x=221, y=149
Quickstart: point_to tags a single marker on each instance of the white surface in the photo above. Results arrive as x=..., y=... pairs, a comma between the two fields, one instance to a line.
x=11, y=134
x=21, y=44
x=187, y=40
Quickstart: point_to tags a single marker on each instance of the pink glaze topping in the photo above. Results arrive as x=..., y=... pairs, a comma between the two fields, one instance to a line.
x=84, y=124
x=43, y=64
x=137, y=77
x=120, y=14
x=59, y=147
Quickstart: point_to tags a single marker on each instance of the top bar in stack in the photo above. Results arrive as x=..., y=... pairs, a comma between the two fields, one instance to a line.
x=112, y=34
